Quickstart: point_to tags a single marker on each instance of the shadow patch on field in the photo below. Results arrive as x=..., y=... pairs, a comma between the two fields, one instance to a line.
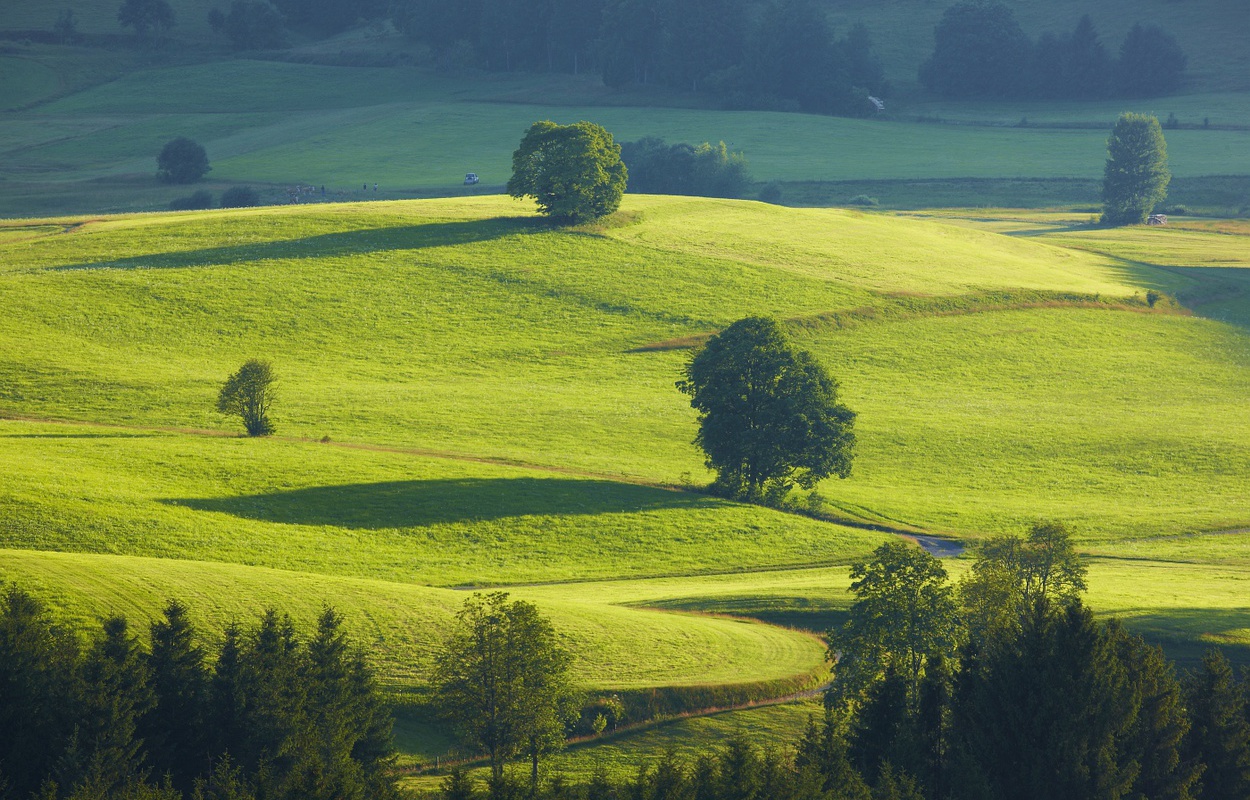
x=802, y=613
x=347, y=243
x=75, y=436
x=1178, y=631
x=411, y=504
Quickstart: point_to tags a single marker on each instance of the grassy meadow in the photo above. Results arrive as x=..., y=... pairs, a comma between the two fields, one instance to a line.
x=470, y=398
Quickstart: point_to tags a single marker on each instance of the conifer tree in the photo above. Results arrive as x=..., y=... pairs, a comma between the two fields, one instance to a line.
x=38, y=666
x=174, y=729
x=881, y=724
x=1158, y=734
x=106, y=753
x=1219, y=736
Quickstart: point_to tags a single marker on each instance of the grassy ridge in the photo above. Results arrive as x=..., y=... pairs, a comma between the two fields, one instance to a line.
x=329, y=510
x=444, y=326
x=614, y=647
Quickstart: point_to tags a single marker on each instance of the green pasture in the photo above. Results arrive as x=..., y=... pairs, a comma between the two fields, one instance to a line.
x=615, y=648
x=621, y=756
x=415, y=132
x=977, y=361
x=319, y=508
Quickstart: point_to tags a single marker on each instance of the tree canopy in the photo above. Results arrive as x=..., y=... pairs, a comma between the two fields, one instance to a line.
x=146, y=16
x=769, y=415
x=182, y=160
x=574, y=172
x=904, y=612
x=1136, y=176
x=502, y=680
x=248, y=394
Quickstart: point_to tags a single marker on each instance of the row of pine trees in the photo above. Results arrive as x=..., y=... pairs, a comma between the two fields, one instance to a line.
x=268, y=716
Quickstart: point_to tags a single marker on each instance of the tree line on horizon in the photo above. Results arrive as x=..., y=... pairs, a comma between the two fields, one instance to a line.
x=982, y=52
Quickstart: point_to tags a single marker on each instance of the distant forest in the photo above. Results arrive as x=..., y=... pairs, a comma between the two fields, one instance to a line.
x=752, y=54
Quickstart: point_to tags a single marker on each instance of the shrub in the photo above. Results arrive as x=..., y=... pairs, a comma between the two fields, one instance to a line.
x=240, y=197
x=863, y=200
x=192, y=202
x=771, y=193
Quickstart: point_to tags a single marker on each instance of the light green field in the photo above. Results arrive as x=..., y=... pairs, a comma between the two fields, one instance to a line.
x=500, y=408
x=384, y=323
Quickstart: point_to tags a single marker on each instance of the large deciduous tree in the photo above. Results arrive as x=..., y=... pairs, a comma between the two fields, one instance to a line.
x=502, y=680
x=574, y=172
x=769, y=415
x=1136, y=176
x=904, y=612
x=1010, y=574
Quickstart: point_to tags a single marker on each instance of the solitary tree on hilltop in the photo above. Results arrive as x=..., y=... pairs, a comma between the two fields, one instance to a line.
x=574, y=171
x=769, y=415
x=1136, y=177
x=248, y=394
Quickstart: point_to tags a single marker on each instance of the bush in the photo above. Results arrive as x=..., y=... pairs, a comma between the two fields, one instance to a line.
x=240, y=197
x=863, y=200
x=192, y=202
x=771, y=193
x=182, y=161
x=706, y=171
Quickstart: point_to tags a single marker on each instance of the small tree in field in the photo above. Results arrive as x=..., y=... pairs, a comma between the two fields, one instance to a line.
x=248, y=394
x=769, y=415
x=182, y=160
x=1136, y=176
x=502, y=680
x=574, y=171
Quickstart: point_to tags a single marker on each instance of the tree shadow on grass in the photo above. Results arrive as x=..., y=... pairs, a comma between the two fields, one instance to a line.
x=410, y=504
x=373, y=240
x=1178, y=630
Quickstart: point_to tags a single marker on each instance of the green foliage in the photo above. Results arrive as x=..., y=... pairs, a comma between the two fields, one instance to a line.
x=574, y=172
x=248, y=394
x=182, y=160
x=769, y=415
x=240, y=197
x=196, y=201
x=1043, y=713
x=1151, y=62
x=1136, y=176
x=1010, y=575
x=146, y=16
x=38, y=689
x=1220, y=734
x=904, y=612
x=707, y=170
x=174, y=731
x=502, y=681
x=979, y=51
x=250, y=25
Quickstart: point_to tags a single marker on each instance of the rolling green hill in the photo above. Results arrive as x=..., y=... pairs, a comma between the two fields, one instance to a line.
x=470, y=397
